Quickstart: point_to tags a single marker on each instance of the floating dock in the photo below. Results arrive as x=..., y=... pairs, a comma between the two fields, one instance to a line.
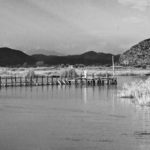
x=55, y=80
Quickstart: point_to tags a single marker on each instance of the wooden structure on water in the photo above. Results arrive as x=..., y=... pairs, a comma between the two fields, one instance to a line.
x=55, y=80
x=13, y=81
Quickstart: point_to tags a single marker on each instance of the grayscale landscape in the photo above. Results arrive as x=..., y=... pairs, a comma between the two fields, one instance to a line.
x=74, y=75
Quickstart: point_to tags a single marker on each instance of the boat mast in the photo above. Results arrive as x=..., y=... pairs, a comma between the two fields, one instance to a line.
x=113, y=65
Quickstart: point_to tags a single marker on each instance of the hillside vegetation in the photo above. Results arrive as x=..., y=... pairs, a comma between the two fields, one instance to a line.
x=11, y=57
x=137, y=55
x=88, y=58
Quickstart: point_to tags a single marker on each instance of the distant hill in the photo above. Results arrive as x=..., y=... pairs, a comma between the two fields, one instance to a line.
x=11, y=57
x=137, y=55
x=44, y=52
x=88, y=58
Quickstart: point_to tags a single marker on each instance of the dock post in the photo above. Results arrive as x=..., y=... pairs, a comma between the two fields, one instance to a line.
x=5, y=81
x=76, y=82
x=15, y=80
x=60, y=79
x=36, y=80
x=113, y=65
x=69, y=82
x=52, y=80
x=47, y=80
x=98, y=82
x=107, y=81
x=11, y=81
x=20, y=81
x=115, y=81
x=0, y=82
x=86, y=82
x=42, y=81
x=93, y=80
x=102, y=82
x=31, y=81
x=81, y=79
x=25, y=81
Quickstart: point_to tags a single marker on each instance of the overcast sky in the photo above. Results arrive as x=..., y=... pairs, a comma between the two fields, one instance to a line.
x=74, y=26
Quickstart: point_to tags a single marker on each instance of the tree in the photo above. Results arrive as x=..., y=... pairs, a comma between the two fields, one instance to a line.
x=40, y=63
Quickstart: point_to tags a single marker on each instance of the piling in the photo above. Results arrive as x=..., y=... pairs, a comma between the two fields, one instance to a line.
x=56, y=80
x=47, y=80
x=20, y=81
x=52, y=81
x=30, y=81
x=6, y=82
x=11, y=83
x=0, y=82
x=26, y=81
x=42, y=81
x=36, y=81
x=81, y=78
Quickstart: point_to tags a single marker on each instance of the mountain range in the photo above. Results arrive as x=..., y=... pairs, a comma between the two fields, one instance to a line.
x=137, y=55
x=11, y=57
x=44, y=52
x=88, y=58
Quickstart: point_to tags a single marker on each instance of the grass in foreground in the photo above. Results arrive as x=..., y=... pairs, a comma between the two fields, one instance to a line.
x=138, y=90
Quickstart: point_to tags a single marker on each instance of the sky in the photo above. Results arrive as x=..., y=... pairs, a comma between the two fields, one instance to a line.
x=74, y=26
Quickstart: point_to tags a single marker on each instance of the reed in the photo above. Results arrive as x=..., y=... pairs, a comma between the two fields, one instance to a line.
x=69, y=73
x=139, y=90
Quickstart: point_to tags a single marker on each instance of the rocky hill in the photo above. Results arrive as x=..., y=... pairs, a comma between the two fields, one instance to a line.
x=137, y=55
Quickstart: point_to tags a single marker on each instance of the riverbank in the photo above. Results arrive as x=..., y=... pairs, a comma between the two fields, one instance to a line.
x=97, y=71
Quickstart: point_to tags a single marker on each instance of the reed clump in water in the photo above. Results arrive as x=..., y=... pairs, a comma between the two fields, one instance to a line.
x=139, y=90
x=69, y=73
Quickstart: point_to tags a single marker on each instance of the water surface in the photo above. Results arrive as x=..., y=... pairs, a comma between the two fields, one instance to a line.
x=72, y=118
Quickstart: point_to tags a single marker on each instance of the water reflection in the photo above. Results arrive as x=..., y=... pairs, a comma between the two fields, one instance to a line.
x=140, y=119
x=143, y=134
x=85, y=95
x=70, y=117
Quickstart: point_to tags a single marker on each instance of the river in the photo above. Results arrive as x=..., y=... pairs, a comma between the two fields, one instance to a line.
x=72, y=118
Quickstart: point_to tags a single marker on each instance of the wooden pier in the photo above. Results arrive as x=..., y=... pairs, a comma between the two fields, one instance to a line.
x=56, y=80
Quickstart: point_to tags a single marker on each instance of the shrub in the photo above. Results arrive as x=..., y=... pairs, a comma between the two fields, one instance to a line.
x=69, y=73
x=139, y=90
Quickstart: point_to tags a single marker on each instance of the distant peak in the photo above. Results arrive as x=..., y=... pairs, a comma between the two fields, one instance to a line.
x=5, y=48
x=146, y=40
x=90, y=53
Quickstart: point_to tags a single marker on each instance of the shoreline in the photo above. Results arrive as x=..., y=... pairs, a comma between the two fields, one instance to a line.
x=97, y=71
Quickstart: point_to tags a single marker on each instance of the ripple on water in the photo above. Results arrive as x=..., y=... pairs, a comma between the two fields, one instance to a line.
x=105, y=140
x=142, y=134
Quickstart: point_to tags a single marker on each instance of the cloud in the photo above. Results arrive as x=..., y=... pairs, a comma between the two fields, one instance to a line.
x=133, y=19
x=140, y=5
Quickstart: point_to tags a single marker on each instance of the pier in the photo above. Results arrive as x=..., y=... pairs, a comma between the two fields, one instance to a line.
x=56, y=80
